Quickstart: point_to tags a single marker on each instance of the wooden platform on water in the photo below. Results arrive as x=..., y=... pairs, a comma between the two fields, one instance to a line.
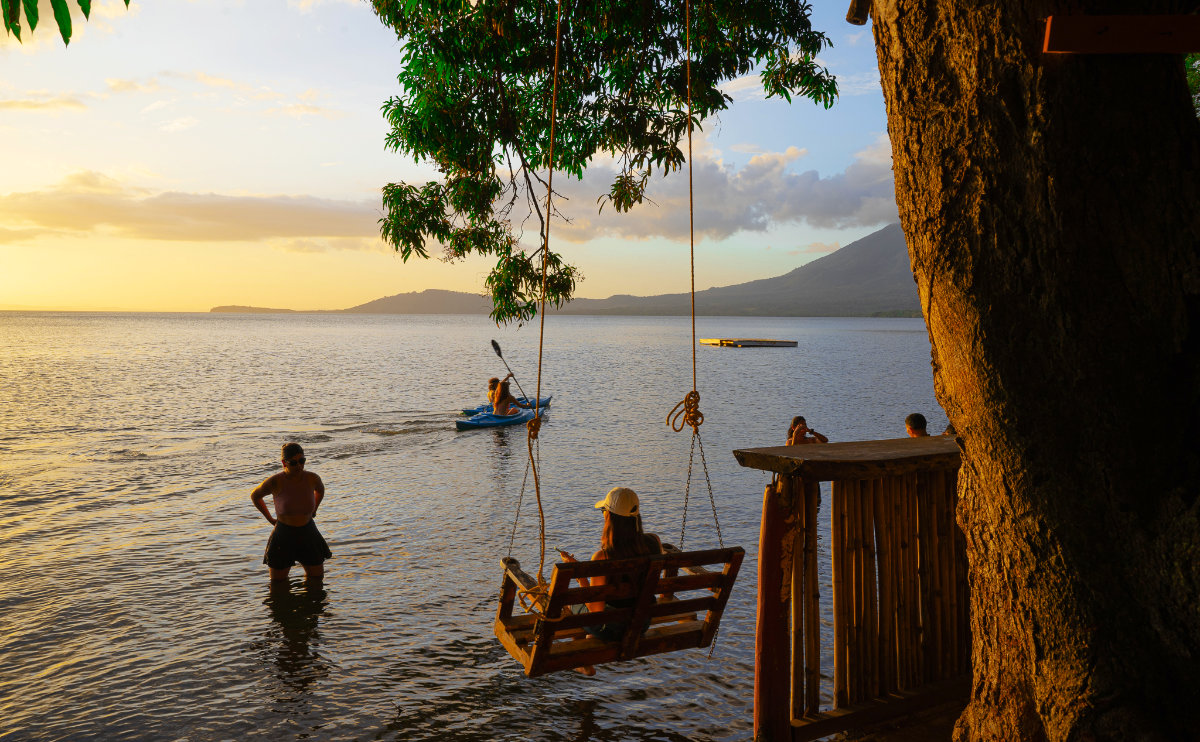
x=748, y=343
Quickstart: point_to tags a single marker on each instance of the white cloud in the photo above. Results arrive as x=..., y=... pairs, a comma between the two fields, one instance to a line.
x=43, y=102
x=91, y=203
x=764, y=193
x=862, y=83
x=179, y=124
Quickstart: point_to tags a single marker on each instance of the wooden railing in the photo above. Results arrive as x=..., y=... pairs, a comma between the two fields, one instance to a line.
x=901, y=632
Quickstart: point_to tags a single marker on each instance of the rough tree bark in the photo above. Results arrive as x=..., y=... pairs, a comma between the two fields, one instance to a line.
x=1052, y=210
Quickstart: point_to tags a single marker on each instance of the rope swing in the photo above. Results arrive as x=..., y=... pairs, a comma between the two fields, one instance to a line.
x=531, y=597
x=687, y=411
x=558, y=631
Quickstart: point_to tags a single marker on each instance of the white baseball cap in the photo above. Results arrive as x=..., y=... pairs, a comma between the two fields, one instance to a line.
x=620, y=501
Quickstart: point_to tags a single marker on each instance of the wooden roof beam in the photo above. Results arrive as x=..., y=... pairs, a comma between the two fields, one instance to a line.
x=1122, y=34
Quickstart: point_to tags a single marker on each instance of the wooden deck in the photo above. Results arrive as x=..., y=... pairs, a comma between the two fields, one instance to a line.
x=900, y=595
x=823, y=462
x=748, y=343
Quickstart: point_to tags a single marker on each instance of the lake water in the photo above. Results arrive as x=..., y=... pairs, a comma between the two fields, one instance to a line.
x=134, y=601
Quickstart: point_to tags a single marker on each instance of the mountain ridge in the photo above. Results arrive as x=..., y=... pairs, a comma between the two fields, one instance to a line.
x=869, y=277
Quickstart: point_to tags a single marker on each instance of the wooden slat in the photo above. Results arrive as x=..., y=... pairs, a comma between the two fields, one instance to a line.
x=684, y=583
x=1122, y=34
x=840, y=566
x=641, y=613
x=870, y=586
x=875, y=711
x=713, y=620
x=855, y=459
x=796, y=603
x=812, y=613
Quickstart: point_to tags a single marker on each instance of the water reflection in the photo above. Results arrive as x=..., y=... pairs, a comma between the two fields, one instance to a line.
x=296, y=639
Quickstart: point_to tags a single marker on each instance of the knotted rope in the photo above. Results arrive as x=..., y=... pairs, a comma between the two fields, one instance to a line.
x=686, y=412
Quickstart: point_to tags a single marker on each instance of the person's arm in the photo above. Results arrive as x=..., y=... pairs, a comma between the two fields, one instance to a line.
x=318, y=493
x=597, y=581
x=261, y=491
x=818, y=436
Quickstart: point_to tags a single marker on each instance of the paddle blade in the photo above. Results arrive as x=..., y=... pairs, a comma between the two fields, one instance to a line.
x=496, y=347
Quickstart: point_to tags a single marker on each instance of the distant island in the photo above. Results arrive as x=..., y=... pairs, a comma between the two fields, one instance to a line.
x=870, y=277
x=236, y=309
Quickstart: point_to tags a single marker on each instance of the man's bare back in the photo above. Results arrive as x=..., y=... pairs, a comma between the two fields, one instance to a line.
x=296, y=494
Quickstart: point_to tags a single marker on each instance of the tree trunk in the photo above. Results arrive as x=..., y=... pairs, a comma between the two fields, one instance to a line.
x=1052, y=209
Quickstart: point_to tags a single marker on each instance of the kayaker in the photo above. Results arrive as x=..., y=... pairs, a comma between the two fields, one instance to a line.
x=799, y=433
x=622, y=538
x=492, y=384
x=503, y=401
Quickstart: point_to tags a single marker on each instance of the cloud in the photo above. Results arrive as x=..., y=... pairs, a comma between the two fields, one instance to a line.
x=303, y=109
x=36, y=102
x=132, y=86
x=306, y=6
x=91, y=203
x=179, y=124
x=746, y=87
x=10, y=236
x=815, y=248
x=862, y=83
x=760, y=195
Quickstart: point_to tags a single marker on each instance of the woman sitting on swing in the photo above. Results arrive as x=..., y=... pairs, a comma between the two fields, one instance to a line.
x=622, y=538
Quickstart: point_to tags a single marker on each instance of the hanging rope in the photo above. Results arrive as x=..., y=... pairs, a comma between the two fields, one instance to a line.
x=533, y=427
x=687, y=412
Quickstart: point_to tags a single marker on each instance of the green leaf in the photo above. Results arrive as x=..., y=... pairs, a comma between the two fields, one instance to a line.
x=31, y=13
x=12, y=24
x=62, y=16
x=475, y=103
x=86, y=7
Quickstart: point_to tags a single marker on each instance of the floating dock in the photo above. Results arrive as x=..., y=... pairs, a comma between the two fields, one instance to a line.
x=748, y=343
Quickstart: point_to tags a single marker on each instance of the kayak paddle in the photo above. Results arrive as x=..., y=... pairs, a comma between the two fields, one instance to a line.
x=496, y=347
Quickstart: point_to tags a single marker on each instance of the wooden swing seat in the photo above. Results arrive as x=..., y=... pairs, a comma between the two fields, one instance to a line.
x=665, y=600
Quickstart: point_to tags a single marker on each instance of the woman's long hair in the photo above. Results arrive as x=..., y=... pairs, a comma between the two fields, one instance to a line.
x=502, y=392
x=623, y=537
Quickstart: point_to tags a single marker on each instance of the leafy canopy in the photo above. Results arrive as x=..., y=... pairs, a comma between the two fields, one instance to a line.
x=62, y=15
x=476, y=87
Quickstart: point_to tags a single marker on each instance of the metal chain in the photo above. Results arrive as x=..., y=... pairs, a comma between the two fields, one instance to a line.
x=687, y=490
x=512, y=536
x=711, y=499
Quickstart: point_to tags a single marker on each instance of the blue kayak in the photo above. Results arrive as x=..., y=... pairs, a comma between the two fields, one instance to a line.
x=490, y=420
x=542, y=402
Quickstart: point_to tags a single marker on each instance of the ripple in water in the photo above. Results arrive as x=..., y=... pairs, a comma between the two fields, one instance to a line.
x=136, y=605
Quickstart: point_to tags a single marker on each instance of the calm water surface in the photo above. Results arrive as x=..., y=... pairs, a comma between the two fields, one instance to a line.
x=134, y=601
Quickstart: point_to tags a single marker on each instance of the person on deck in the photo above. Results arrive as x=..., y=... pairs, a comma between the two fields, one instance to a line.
x=503, y=401
x=799, y=433
x=622, y=538
x=296, y=494
x=915, y=425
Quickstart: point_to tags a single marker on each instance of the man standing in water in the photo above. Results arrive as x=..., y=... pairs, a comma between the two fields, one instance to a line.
x=297, y=495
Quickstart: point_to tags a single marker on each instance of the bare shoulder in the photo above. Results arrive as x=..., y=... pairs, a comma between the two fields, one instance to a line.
x=654, y=542
x=598, y=555
x=314, y=479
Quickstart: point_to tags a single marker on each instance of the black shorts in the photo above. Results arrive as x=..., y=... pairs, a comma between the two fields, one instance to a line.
x=291, y=544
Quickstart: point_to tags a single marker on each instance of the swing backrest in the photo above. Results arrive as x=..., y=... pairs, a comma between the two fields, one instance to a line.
x=666, y=593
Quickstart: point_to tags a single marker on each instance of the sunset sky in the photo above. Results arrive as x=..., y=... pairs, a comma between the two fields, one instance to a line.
x=181, y=155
